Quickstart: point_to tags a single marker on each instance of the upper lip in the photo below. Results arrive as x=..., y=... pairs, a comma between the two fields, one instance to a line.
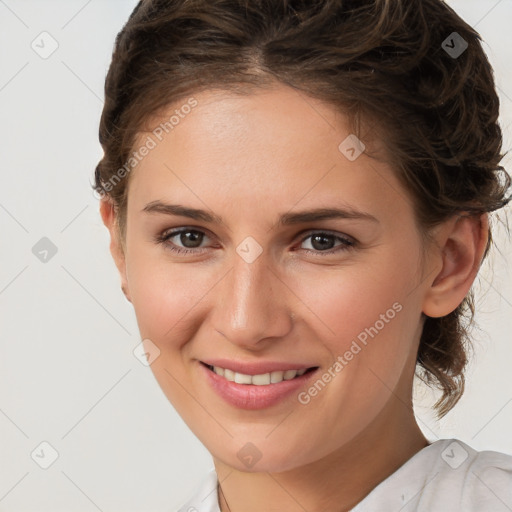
x=255, y=368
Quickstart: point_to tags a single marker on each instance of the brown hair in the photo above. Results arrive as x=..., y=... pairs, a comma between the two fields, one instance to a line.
x=386, y=60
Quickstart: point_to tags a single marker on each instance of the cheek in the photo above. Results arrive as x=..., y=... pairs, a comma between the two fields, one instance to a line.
x=349, y=301
x=166, y=297
x=368, y=317
x=163, y=293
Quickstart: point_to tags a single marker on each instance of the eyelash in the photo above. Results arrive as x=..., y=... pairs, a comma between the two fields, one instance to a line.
x=163, y=238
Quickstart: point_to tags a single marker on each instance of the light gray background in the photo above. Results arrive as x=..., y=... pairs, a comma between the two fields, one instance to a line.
x=68, y=374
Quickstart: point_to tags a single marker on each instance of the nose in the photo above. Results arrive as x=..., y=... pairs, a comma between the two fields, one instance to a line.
x=252, y=305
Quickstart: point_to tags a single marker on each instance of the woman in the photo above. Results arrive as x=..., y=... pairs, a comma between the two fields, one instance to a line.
x=298, y=195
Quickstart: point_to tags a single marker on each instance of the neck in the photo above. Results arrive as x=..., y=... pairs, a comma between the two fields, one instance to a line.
x=336, y=482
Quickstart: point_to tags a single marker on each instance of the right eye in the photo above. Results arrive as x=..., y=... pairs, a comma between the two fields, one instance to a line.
x=190, y=238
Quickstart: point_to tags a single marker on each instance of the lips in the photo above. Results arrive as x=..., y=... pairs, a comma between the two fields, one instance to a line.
x=255, y=389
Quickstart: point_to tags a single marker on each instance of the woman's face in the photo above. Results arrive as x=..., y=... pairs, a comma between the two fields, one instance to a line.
x=268, y=285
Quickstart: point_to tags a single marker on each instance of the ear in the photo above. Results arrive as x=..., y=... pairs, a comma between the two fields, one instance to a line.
x=459, y=247
x=109, y=216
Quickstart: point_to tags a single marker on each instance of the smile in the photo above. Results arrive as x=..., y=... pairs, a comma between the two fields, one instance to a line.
x=263, y=379
x=258, y=390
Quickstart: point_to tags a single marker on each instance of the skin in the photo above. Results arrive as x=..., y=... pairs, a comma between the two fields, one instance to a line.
x=249, y=160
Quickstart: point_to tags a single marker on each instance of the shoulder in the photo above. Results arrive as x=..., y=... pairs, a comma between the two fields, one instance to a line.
x=205, y=496
x=462, y=478
x=485, y=479
x=446, y=475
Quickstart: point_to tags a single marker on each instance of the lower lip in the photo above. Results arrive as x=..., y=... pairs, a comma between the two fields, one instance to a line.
x=250, y=396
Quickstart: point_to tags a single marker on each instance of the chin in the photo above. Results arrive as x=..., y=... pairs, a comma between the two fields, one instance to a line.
x=259, y=457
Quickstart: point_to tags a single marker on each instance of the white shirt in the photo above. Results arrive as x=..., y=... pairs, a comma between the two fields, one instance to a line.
x=446, y=476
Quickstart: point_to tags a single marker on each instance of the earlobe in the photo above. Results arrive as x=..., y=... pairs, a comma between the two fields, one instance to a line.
x=461, y=244
x=109, y=217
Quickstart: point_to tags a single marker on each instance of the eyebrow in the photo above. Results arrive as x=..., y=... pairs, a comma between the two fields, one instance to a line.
x=286, y=219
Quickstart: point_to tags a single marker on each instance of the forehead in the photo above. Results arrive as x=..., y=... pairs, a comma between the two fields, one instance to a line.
x=229, y=119
x=272, y=143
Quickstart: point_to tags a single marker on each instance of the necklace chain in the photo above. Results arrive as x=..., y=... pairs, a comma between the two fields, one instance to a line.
x=224, y=497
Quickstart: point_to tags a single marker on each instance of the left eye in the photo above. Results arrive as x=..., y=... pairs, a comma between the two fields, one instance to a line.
x=322, y=243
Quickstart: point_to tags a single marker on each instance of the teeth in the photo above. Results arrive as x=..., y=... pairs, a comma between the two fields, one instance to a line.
x=261, y=380
x=276, y=377
x=241, y=378
x=290, y=374
x=258, y=380
x=228, y=374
